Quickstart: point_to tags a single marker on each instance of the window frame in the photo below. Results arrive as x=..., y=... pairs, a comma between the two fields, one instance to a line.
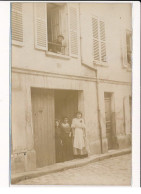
x=53, y=54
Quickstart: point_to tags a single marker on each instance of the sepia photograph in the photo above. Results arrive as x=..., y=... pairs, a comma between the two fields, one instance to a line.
x=71, y=93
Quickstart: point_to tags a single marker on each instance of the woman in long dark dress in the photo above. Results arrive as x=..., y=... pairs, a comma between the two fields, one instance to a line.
x=67, y=140
x=58, y=142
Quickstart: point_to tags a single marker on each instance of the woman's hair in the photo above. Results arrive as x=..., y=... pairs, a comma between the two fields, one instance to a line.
x=57, y=120
x=65, y=118
x=78, y=112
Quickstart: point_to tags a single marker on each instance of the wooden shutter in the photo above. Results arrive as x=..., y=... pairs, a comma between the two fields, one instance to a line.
x=17, y=24
x=102, y=41
x=40, y=19
x=99, y=40
x=73, y=21
x=96, y=45
x=123, y=48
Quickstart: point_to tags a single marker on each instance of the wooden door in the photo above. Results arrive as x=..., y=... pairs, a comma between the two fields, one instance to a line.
x=43, y=125
x=108, y=117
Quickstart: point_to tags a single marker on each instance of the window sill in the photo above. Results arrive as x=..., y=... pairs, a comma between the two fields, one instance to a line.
x=101, y=64
x=129, y=69
x=56, y=55
x=17, y=43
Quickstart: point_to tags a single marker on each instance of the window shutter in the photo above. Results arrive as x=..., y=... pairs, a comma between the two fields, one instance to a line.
x=73, y=21
x=102, y=41
x=123, y=49
x=17, y=24
x=96, y=45
x=40, y=19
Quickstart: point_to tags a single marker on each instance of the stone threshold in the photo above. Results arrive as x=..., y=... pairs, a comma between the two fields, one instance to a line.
x=15, y=178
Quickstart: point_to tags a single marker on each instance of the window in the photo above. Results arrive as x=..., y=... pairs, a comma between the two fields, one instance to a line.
x=17, y=24
x=99, y=41
x=129, y=48
x=57, y=28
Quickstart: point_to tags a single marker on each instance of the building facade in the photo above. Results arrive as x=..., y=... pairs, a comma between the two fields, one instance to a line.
x=89, y=72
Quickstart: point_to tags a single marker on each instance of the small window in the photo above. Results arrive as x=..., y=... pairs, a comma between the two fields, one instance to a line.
x=129, y=47
x=57, y=28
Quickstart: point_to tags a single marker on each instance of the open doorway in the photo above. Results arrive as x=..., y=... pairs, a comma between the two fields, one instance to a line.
x=66, y=104
x=48, y=105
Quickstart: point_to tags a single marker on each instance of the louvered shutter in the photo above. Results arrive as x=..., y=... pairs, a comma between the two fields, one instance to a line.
x=102, y=41
x=74, y=37
x=17, y=24
x=123, y=48
x=96, y=43
x=126, y=114
x=40, y=19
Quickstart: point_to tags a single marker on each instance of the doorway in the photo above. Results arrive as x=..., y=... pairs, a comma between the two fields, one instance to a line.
x=66, y=104
x=48, y=105
x=109, y=119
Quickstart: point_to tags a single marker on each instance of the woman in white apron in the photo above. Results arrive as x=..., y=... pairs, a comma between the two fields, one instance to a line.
x=79, y=136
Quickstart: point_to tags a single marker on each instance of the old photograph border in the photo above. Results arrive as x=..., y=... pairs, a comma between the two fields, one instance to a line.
x=4, y=105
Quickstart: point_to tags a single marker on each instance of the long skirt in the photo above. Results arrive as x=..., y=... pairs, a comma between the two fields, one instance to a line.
x=67, y=148
x=79, y=147
x=59, y=150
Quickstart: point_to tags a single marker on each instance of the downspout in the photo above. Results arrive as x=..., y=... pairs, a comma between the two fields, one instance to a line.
x=97, y=87
x=98, y=108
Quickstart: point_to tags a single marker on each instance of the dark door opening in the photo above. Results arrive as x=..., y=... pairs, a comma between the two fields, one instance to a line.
x=108, y=117
x=66, y=104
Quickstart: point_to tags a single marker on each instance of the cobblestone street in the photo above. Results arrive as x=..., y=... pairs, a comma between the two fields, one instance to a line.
x=113, y=171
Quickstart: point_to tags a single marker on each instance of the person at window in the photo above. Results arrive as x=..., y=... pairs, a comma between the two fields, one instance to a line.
x=59, y=46
x=67, y=140
x=79, y=137
x=58, y=142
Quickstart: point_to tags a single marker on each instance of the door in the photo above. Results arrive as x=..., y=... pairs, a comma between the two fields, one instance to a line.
x=43, y=125
x=108, y=118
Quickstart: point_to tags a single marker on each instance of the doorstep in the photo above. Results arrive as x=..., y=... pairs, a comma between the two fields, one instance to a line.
x=15, y=178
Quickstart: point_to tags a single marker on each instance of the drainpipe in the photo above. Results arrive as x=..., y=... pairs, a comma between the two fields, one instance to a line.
x=98, y=108
x=97, y=87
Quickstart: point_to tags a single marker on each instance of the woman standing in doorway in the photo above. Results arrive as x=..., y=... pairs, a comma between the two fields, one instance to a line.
x=58, y=142
x=67, y=140
x=79, y=134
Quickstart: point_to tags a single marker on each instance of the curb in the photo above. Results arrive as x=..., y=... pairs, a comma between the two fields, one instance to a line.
x=66, y=165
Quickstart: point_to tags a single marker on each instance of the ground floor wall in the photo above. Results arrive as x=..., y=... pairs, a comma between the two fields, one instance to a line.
x=23, y=156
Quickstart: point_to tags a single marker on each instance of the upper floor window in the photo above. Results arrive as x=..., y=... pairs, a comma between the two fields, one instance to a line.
x=17, y=24
x=57, y=28
x=129, y=47
x=99, y=40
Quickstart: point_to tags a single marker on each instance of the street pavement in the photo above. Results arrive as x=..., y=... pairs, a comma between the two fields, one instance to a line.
x=114, y=171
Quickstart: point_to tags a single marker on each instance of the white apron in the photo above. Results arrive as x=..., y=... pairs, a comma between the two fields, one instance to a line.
x=78, y=125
